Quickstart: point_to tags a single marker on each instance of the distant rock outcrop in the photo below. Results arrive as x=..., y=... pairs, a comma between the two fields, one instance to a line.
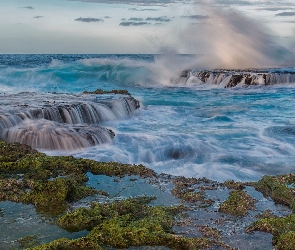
x=233, y=78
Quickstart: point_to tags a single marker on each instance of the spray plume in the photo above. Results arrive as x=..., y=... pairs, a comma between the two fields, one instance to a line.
x=227, y=39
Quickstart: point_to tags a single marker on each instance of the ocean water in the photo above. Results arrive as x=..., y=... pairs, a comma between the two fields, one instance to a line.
x=180, y=125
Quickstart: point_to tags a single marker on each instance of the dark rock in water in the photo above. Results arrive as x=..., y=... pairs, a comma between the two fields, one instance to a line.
x=185, y=73
x=114, y=91
x=233, y=78
x=204, y=75
x=234, y=81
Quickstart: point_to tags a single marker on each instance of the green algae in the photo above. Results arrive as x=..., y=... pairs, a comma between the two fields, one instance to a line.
x=277, y=188
x=231, y=184
x=282, y=230
x=52, y=182
x=209, y=232
x=286, y=241
x=14, y=151
x=126, y=223
x=87, y=218
x=238, y=203
x=78, y=244
x=191, y=190
x=29, y=241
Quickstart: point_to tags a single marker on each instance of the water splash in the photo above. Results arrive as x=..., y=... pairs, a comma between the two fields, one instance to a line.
x=227, y=39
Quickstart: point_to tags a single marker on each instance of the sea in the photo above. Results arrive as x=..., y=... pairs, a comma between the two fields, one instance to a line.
x=220, y=124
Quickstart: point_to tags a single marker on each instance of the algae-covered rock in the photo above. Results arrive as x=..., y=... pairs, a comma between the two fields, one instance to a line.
x=279, y=188
x=87, y=218
x=231, y=184
x=14, y=151
x=29, y=241
x=209, y=232
x=52, y=182
x=130, y=222
x=282, y=230
x=238, y=203
x=118, y=169
x=286, y=241
x=191, y=190
x=78, y=244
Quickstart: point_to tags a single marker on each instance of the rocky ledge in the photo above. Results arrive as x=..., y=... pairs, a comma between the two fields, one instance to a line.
x=233, y=78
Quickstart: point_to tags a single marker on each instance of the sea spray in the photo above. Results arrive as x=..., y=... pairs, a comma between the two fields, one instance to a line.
x=226, y=39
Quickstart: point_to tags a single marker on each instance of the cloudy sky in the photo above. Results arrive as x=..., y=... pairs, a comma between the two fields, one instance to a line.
x=138, y=26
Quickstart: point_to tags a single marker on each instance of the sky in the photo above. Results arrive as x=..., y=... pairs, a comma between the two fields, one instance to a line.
x=141, y=26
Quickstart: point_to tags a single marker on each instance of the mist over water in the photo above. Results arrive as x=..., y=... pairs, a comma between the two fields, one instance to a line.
x=227, y=39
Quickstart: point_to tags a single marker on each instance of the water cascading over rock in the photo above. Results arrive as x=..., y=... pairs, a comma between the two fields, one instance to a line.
x=61, y=121
x=233, y=78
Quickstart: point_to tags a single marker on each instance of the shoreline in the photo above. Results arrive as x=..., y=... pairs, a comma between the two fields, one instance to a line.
x=200, y=213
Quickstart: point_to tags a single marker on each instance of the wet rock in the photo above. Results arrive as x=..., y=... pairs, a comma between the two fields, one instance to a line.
x=102, y=92
x=238, y=203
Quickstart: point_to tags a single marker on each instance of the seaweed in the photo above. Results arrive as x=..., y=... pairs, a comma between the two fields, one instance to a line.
x=282, y=230
x=126, y=223
x=186, y=189
x=238, y=203
x=278, y=188
x=29, y=241
x=51, y=183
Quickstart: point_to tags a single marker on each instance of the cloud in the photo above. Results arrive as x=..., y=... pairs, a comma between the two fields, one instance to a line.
x=199, y=17
x=233, y=2
x=134, y=2
x=286, y=13
x=133, y=23
x=88, y=19
x=158, y=19
x=135, y=19
x=137, y=9
x=107, y=17
x=27, y=7
x=274, y=8
x=38, y=16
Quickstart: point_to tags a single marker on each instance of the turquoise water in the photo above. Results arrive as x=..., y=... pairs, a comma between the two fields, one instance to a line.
x=186, y=128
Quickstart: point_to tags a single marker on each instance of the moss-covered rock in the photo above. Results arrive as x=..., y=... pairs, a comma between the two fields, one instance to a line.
x=231, y=184
x=192, y=190
x=238, y=203
x=286, y=241
x=63, y=244
x=126, y=223
x=87, y=218
x=118, y=169
x=52, y=182
x=29, y=241
x=14, y=151
x=209, y=232
x=282, y=230
x=279, y=188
